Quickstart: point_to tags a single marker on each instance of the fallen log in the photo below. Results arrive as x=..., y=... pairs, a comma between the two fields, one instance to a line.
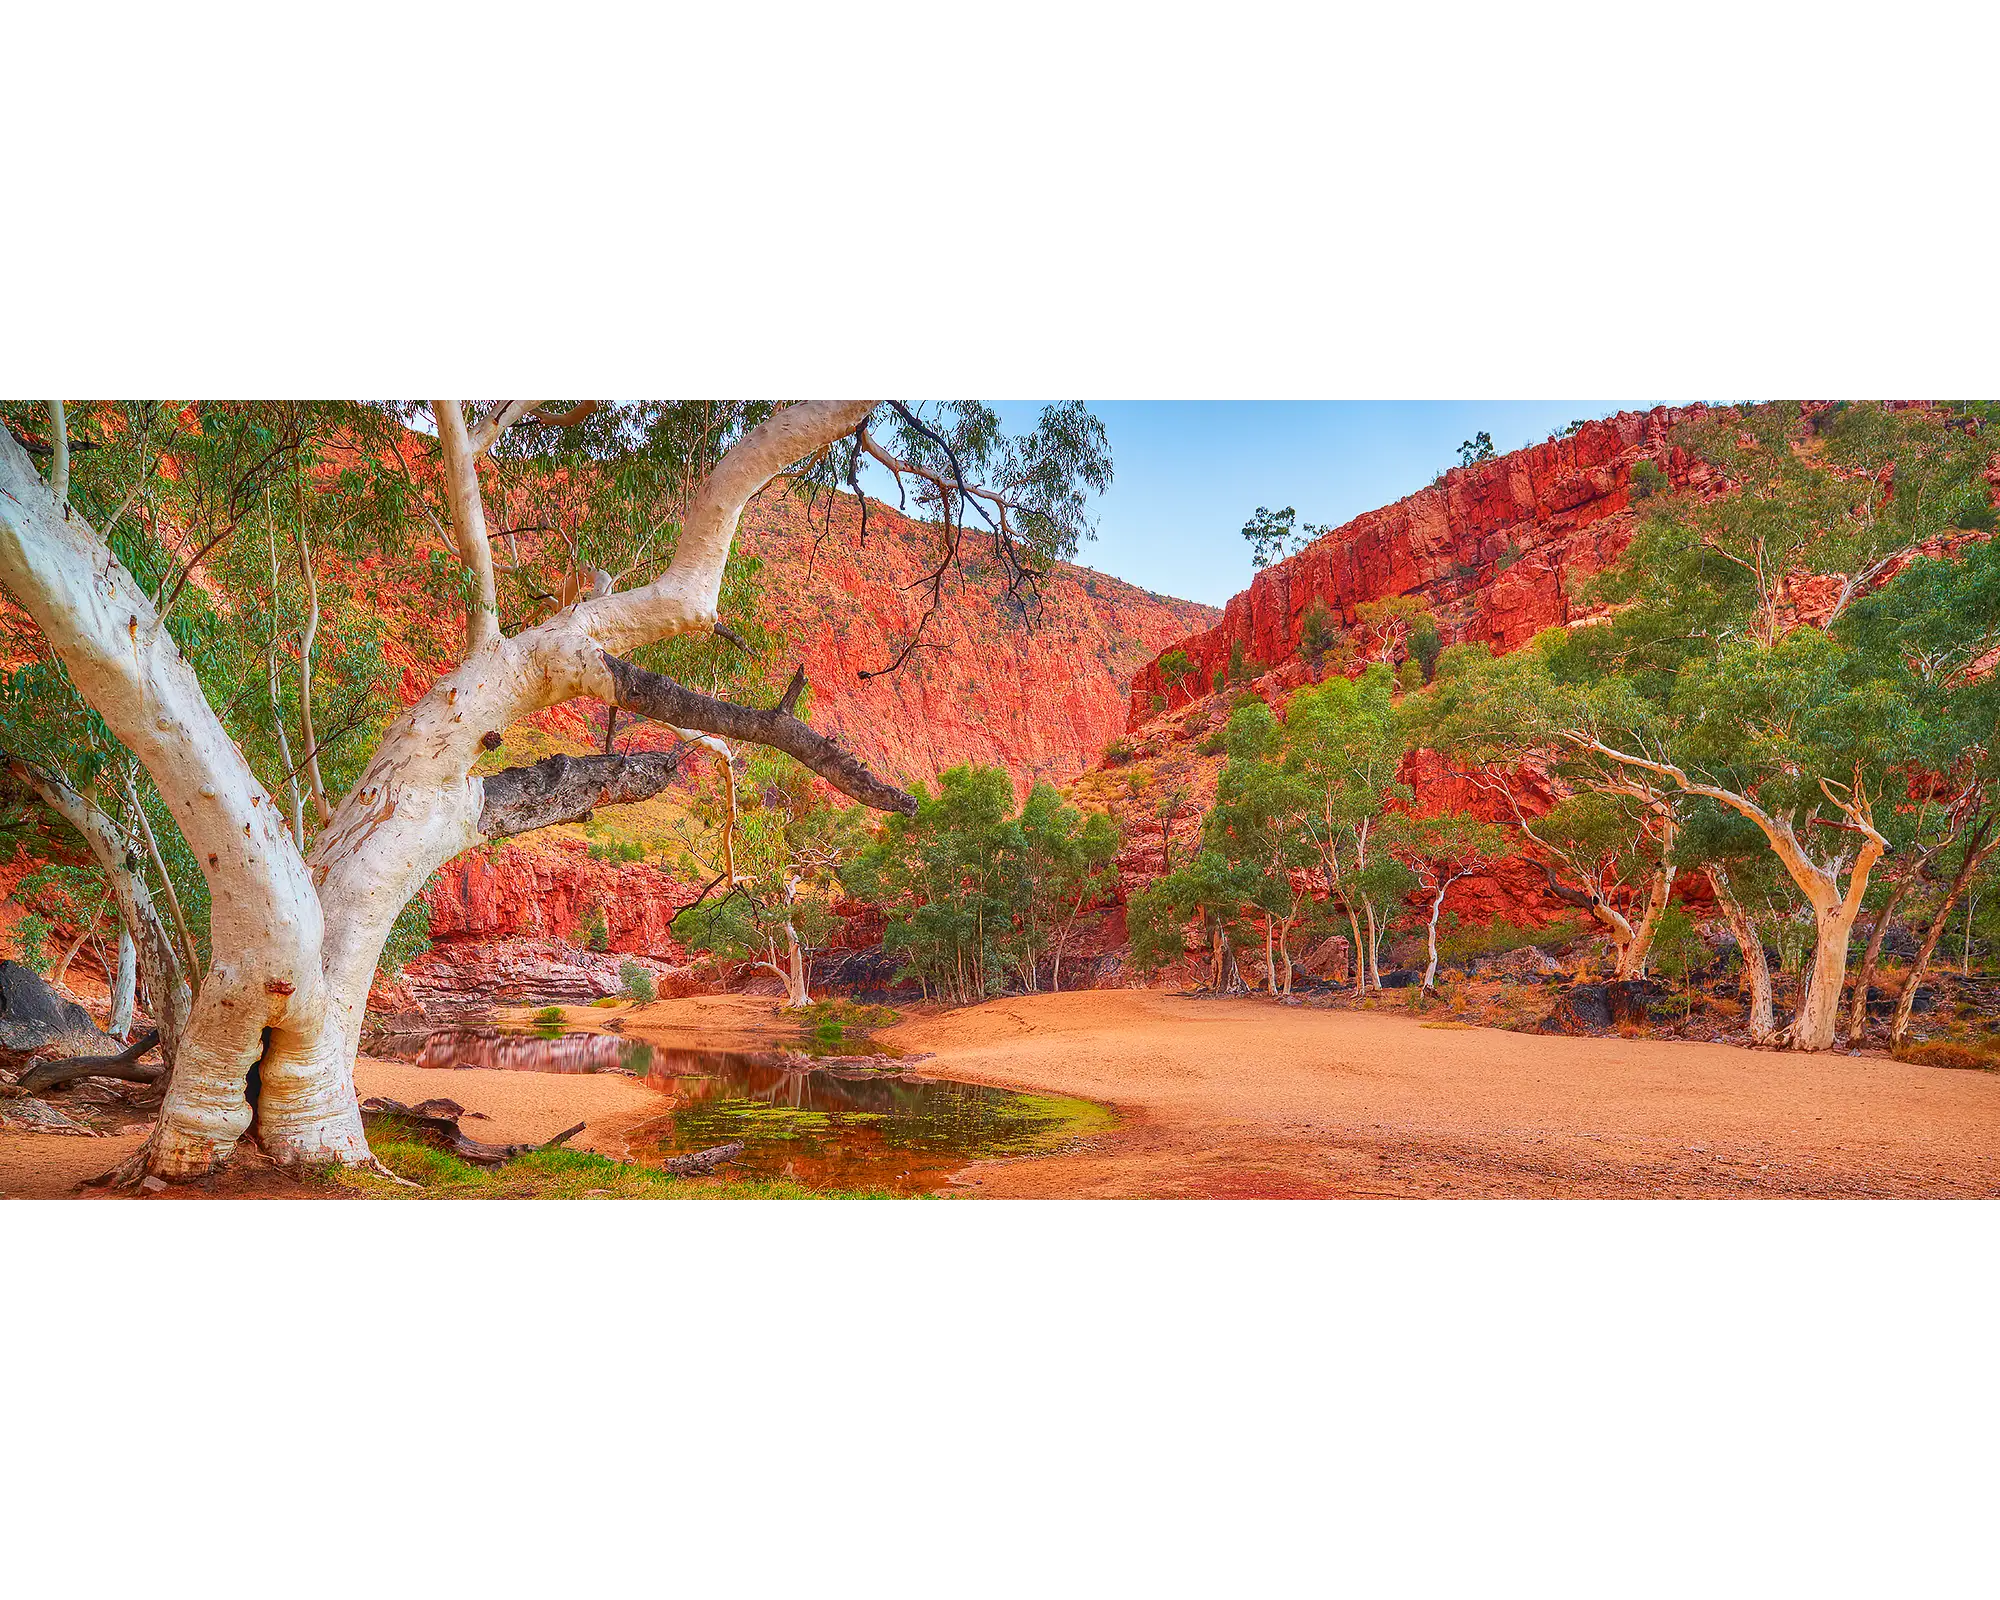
x=435, y=1123
x=702, y=1162
x=126, y=1065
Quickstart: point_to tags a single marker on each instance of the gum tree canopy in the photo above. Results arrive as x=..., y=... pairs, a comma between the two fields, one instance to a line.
x=569, y=537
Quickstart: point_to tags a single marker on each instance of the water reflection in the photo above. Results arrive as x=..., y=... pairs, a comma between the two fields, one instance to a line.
x=527, y=1052
x=840, y=1123
x=832, y=1125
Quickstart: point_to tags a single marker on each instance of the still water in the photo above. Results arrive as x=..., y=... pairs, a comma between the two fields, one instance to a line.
x=826, y=1124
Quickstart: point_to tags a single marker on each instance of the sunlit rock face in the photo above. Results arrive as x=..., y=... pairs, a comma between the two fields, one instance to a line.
x=1494, y=547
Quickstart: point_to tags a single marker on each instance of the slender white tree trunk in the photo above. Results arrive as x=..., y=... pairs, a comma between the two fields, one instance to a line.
x=59, y=975
x=1756, y=970
x=796, y=993
x=123, y=982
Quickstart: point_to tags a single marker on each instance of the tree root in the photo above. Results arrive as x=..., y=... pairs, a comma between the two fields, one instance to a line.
x=129, y=1173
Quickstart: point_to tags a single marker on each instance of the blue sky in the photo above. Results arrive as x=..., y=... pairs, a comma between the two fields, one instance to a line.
x=1189, y=473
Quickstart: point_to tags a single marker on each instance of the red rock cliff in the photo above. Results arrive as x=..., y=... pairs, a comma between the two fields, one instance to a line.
x=1038, y=693
x=1492, y=546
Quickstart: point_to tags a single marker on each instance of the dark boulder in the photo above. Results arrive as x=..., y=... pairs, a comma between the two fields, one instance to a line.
x=1627, y=999
x=1581, y=1008
x=35, y=1019
x=1402, y=978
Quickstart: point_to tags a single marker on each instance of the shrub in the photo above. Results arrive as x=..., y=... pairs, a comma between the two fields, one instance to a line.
x=548, y=1014
x=637, y=981
x=1318, y=633
x=1118, y=752
x=1159, y=703
x=1647, y=480
x=1214, y=744
x=31, y=937
x=1220, y=681
x=592, y=930
x=616, y=851
x=1426, y=645
x=1411, y=674
x=1677, y=944
x=1466, y=940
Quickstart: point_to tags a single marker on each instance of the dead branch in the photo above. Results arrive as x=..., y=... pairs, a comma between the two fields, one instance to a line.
x=125, y=1066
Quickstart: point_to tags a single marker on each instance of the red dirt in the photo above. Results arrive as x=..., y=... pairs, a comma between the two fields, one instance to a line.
x=1248, y=1098
x=1225, y=1098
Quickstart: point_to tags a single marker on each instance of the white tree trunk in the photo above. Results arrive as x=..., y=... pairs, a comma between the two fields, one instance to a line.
x=796, y=993
x=295, y=944
x=1756, y=970
x=1818, y=1016
x=123, y=983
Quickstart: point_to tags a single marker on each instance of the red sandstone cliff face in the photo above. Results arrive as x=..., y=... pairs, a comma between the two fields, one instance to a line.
x=1037, y=692
x=1493, y=547
x=552, y=890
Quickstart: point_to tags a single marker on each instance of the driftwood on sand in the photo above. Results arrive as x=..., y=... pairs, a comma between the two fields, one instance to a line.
x=702, y=1162
x=435, y=1122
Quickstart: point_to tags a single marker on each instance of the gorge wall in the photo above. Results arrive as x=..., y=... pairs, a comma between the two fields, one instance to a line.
x=1038, y=694
x=1493, y=547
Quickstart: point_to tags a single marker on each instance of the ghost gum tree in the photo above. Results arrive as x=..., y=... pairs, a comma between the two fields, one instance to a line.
x=1735, y=669
x=298, y=908
x=1605, y=837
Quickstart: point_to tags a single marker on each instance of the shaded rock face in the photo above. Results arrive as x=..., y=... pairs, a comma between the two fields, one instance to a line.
x=509, y=926
x=466, y=977
x=550, y=889
x=1493, y=548
x=33, y=1018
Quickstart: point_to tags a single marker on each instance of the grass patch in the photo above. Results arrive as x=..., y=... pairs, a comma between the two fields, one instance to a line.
x=842, y=1027
x=1973, y=1056
x=1067, y=1116
x=561, y=1175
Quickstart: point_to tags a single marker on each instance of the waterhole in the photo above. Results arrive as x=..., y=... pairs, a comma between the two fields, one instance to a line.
x=829, y=1124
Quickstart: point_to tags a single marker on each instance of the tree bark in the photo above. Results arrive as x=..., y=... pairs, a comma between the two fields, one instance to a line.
x=1437, y=906
x=1818, y=1016
x=322, y=811
x=61, y=969
x=1864, y=980
x=1756, y=970
x=123, y=984
x=59, y=454
x=169, y=995
x=297, y=941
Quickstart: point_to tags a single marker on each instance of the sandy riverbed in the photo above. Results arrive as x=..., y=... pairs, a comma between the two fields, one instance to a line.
x=1248, y=1098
